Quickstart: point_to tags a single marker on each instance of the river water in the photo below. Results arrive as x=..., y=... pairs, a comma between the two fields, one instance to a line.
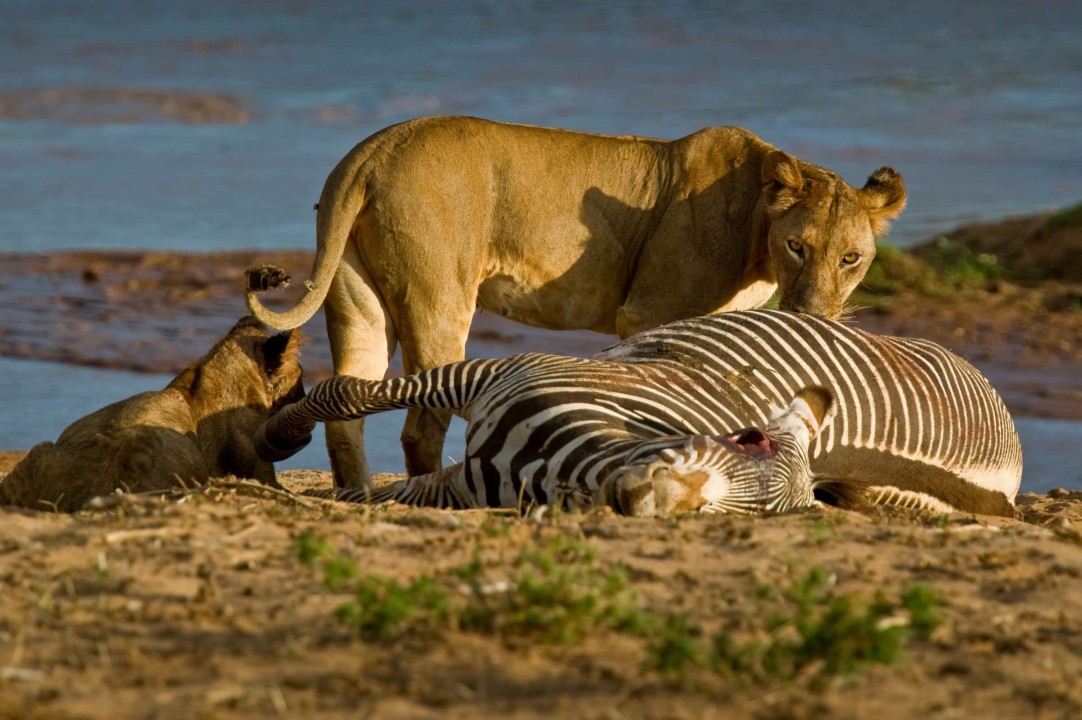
x=978, y=104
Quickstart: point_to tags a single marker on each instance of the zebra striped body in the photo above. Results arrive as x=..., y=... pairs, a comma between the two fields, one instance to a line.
x=910, y=416
x=913, y=419
x=551, y=428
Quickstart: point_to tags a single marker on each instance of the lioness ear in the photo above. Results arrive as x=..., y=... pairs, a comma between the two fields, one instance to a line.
x=783, y=184
x=884, y=198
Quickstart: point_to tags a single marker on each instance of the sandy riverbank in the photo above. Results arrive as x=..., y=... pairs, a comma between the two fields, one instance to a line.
x=207, y=608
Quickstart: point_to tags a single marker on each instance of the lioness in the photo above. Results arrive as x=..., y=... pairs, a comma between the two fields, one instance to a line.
x=424, y=222
x=200, y=426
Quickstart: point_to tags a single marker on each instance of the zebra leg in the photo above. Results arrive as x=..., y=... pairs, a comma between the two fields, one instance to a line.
x=444, y=489
x=894, y=497
x=856, y=494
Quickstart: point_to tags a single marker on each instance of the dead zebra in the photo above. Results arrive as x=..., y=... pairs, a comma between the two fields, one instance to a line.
x=200, y=426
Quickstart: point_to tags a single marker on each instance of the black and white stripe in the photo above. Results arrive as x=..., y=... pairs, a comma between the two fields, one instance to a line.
x=910, y=415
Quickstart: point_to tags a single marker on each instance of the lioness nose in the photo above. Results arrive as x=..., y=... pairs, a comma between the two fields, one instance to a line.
x=811, y=306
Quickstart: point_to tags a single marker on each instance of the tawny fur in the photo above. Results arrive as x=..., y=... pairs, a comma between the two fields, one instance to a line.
x=425, y=221
x=200, y=426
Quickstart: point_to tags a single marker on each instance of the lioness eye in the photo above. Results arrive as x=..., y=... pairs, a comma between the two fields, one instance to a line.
x=850, y=258
x=796, y=247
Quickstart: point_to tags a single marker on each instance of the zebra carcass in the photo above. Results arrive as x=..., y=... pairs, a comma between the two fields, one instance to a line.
x=912, y=425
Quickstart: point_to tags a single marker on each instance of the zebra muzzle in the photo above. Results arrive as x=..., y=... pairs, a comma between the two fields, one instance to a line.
x=654, y=489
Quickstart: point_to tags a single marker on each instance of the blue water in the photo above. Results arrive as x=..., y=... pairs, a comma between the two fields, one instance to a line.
x=978, y=104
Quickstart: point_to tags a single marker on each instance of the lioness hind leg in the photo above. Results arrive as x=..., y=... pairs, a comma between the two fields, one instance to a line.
x=362, y=341
x=428, y=342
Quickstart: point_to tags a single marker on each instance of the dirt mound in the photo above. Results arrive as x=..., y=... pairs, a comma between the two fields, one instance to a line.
x=1006, y=296
x=1029, y=248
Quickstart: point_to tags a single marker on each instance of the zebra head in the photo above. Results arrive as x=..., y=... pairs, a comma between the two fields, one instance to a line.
x=753, y=470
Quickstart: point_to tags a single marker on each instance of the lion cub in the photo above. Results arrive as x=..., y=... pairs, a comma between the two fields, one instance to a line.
x=200, y=426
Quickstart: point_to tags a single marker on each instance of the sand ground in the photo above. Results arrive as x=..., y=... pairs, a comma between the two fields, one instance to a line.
x=201, y=608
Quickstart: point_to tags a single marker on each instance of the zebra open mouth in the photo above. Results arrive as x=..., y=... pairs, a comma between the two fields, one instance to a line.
x=750, y=441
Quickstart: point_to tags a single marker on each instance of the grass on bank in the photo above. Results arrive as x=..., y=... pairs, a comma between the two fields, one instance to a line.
x=946, y=268
x=1069, y=217
x=560, y=592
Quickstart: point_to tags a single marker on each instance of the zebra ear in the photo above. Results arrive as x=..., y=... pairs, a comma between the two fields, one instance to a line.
x=814, y=405
x=810, y=409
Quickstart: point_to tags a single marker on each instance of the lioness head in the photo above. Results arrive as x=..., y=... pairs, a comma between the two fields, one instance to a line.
x=822, y=230
x=232, y=390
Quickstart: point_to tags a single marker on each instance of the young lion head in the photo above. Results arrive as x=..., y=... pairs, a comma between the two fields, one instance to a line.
x=822, y=230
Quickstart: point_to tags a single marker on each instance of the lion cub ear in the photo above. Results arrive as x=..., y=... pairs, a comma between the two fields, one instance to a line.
x=281, y=359
x=783, y=183
x=884, y=198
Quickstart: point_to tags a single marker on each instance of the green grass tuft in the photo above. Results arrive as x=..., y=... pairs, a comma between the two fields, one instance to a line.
x=673, y=645
x=922, y=603
x=812, y=632
x=1065, y=218
x=311, y=547
x=384, y=609
x=560, y=592
x=338, y=570
x=944, y=270
x=960, y=266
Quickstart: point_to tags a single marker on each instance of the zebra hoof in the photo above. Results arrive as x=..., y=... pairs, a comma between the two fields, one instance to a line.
x=275, y=453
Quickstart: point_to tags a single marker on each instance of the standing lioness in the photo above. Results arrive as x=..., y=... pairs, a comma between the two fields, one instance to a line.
x=427, y=220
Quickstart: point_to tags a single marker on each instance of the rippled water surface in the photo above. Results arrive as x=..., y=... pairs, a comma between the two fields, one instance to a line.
x=978, y=104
